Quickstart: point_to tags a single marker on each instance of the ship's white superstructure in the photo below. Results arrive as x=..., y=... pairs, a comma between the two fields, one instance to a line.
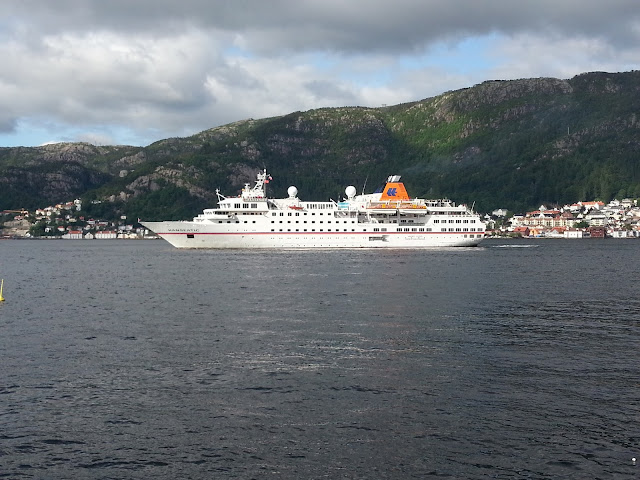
x=385, y=219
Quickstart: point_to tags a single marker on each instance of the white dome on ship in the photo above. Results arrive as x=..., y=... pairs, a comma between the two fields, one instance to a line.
x=292, y=191
x=350, y=191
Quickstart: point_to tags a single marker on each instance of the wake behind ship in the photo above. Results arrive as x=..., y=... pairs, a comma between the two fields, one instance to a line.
x=388, y=218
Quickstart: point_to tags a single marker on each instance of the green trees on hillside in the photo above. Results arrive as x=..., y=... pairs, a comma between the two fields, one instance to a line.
x=168, y=203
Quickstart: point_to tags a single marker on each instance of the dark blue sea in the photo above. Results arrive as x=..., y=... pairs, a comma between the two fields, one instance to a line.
x=135, y=360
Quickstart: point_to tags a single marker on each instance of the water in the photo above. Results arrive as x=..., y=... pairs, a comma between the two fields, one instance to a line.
x=136, y=360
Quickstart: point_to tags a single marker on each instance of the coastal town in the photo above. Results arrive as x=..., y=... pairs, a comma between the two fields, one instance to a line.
x=591, y=219
x=66, y=221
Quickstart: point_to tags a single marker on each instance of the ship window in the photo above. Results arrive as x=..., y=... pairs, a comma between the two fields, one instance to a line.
x=273, y=229
x=190, y=235
x=297, y=214
x=236, y=205
x=254, y=205
x=382, y=230
x=245, y=205
x=281, y=214
x=273, y=214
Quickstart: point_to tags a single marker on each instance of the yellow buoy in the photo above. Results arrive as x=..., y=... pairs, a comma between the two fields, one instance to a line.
x=1, y=287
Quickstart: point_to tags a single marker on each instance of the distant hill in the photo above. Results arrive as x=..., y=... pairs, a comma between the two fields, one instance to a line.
x=512, y=144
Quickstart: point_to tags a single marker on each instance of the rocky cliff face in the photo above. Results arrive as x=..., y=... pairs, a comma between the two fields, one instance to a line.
x=57, y=182
x=79, y=153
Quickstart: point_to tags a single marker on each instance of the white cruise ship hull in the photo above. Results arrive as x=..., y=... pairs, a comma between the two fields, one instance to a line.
x=192, y=235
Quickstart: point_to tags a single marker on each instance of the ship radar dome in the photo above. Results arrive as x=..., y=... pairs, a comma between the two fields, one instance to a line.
x=350, y=191
x=292, y=191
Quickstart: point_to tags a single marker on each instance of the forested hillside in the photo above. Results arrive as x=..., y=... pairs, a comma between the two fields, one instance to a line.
x=512, y=144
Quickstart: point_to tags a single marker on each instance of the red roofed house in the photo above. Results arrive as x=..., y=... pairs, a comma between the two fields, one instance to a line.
x=73, y=235
x=521, y=231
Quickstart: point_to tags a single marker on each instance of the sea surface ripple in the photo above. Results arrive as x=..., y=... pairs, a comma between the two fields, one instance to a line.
x=131, y=359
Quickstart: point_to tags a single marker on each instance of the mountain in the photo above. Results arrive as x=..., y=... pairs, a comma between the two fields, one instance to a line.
x=512, y=144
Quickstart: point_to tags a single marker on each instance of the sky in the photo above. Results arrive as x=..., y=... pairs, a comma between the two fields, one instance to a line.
x=131, y=72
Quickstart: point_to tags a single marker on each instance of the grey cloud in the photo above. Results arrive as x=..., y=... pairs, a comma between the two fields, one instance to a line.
x=167, y=67
x=337, y=25
x=323, y=89
x=8, y=124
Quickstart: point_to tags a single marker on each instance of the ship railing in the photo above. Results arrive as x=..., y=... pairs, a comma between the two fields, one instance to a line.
x=399, y=205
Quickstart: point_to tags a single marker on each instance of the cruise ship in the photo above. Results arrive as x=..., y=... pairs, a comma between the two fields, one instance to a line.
x=388, y=218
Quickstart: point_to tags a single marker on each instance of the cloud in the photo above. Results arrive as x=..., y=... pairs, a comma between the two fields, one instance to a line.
x=149, y=69
x=364, y=25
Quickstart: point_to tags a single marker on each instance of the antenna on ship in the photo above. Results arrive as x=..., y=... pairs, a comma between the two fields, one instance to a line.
x=365, y=184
